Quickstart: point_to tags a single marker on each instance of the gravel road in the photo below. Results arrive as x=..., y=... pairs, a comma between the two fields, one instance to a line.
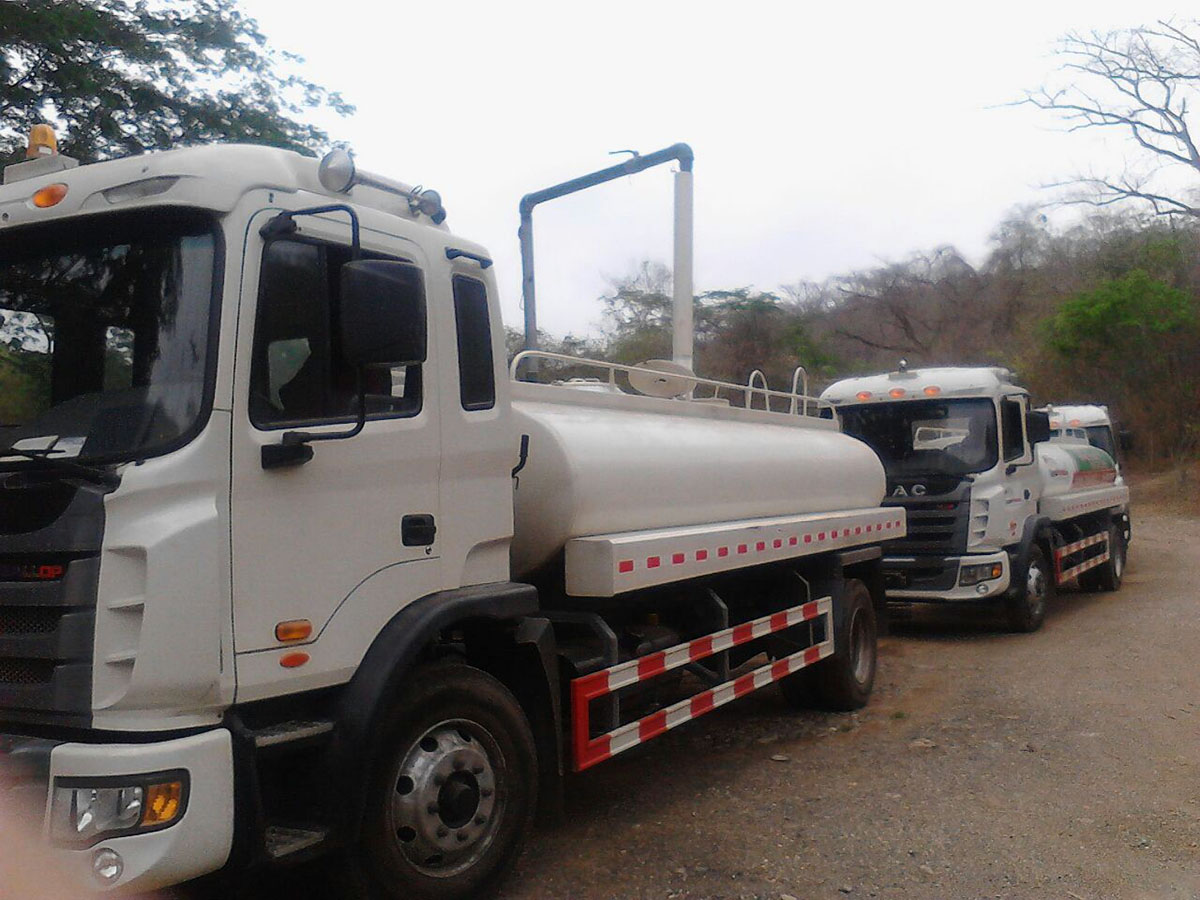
x=1061, y=764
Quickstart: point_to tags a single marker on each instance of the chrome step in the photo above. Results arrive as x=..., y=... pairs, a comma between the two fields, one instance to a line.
x=287, y=732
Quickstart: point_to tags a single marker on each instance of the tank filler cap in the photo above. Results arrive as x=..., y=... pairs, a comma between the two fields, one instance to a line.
x=666, y=379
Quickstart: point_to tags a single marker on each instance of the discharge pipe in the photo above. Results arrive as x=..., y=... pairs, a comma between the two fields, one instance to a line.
x=681, y=312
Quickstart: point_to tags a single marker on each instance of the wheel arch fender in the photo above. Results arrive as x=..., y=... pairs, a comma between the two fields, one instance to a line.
x=505, y=609
x=1037, y=531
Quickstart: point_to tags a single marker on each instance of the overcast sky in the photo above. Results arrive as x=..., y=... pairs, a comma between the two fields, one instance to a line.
x=828, y=136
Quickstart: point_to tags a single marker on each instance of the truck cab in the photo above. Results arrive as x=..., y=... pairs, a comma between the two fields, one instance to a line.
x=957, y=452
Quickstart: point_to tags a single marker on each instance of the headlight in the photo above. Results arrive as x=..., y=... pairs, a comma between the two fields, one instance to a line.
x=973, y=574
x=84, y=811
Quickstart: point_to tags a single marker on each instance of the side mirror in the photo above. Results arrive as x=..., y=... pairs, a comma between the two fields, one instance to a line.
x=382, y=313
x=1125, y=440
x=1037, y=426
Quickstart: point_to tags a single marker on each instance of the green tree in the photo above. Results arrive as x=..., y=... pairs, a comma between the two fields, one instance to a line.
x=119, y=77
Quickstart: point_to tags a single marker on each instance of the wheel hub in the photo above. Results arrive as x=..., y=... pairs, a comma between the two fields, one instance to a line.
x=444, y=805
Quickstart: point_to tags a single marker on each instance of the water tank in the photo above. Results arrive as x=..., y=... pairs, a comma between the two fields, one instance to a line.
x=599, y=464
x=1070, y=467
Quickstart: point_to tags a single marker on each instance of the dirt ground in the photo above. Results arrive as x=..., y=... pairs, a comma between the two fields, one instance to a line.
x=1061, y=764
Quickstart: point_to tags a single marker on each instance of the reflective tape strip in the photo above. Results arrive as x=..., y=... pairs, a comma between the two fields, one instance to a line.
x=1068, y=549
x=588, y=750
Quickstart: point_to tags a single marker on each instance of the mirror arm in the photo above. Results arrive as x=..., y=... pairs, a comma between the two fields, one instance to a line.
x=292, y=438
x=284, y=223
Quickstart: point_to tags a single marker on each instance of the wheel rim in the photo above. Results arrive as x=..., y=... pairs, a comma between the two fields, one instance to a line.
x=860, y=647
x=1035, y=589
x=445, y=808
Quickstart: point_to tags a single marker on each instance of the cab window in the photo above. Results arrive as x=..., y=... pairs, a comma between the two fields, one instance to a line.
x=1012, y=427
x=298, y=375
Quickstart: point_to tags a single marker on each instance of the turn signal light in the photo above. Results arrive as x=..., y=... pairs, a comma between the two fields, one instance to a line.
x=896, y=393
x=163, y=802
x=293, y=630
x=50, y=195
x=293, y=660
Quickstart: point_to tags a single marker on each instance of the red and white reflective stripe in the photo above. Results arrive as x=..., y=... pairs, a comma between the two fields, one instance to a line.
x=588, y=750
x=609, y=564
x=1066, y=550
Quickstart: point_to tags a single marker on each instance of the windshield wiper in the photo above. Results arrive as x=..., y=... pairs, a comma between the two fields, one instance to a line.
x=74, y=469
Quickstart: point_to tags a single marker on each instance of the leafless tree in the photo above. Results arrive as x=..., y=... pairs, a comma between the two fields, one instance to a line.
x=1140, y=81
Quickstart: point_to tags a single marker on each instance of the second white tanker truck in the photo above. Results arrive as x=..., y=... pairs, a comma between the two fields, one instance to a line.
x=289, y=565
x=997, y=512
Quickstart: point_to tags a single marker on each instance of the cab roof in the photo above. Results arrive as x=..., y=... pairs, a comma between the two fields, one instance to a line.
x=922, y=384
x=1078, y=416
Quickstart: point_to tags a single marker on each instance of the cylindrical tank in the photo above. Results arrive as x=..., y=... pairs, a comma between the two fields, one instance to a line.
x=597, y=469
x=1067, y=467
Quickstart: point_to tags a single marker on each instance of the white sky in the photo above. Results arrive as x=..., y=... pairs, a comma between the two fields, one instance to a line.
x=828, y=136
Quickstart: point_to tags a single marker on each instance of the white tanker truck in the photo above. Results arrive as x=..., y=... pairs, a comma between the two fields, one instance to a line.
x=997, y=511
x=288, y=565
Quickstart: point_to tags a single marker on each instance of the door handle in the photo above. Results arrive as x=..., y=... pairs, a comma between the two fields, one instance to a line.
x=418, y=530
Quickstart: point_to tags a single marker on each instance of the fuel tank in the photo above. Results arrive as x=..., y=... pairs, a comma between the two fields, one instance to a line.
x=601, y=463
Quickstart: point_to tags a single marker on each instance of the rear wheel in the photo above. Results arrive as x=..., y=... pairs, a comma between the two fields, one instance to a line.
x=1027, y=606
x=453, y=794
x=844, y=681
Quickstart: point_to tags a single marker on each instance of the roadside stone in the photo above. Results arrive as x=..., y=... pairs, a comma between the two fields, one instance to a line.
x=922, y=744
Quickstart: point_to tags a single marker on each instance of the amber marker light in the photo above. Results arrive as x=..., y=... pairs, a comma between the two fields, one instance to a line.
x=50, y=195
x=293, y=630
x=896, y=393
x=163, y=803
x=293, y=660
x=932, y=390
x=863, y=395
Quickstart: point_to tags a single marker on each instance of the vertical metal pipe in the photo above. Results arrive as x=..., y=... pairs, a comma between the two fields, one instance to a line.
x=528, y=300
x=681, y=311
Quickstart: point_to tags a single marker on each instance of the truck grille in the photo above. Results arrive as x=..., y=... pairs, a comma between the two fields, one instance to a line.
x=29, y=619
x=26, y=671
x=937, y=523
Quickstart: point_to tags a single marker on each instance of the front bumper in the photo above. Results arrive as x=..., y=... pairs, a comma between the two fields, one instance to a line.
x=936, y=580
x=198, y=843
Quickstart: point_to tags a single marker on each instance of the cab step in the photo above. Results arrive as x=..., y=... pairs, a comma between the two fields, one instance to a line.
x=290, y=732
x=283, y=840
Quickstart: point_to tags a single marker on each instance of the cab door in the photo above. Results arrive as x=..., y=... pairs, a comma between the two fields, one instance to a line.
x=1020, y=466
x=346, y=538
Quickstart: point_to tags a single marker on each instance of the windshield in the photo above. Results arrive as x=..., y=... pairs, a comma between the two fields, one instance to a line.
x=104, y=334
x=1101, y=436
x=926, y=437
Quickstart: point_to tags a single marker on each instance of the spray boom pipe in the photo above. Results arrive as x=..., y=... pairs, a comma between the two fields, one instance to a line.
x=681, y=315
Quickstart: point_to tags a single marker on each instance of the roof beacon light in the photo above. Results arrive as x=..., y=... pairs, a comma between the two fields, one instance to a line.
x=863, y=395
x=338, y=174
x=42, y=142
x=932, y=390
x=50, y=195
x=896, y=393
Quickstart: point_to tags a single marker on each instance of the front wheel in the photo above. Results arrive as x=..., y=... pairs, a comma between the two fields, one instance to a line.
x=844, y=681
x=454, y=790
x=1026, y=607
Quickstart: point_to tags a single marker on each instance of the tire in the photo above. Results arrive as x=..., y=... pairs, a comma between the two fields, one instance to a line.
x=1026, y=607
x=844, y=681
x=453, y=791
x=1108, y=575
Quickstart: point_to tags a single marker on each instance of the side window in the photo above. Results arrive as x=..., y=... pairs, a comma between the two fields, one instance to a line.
x=298, y=375
x=1012, y=426
x=476, y=378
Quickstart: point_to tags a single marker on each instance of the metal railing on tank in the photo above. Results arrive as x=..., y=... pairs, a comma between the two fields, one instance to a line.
x=660, y=378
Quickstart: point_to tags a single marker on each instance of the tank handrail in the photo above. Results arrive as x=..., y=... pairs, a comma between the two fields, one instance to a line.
x=612, y=368
x=751, y=390
x=800, y=388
